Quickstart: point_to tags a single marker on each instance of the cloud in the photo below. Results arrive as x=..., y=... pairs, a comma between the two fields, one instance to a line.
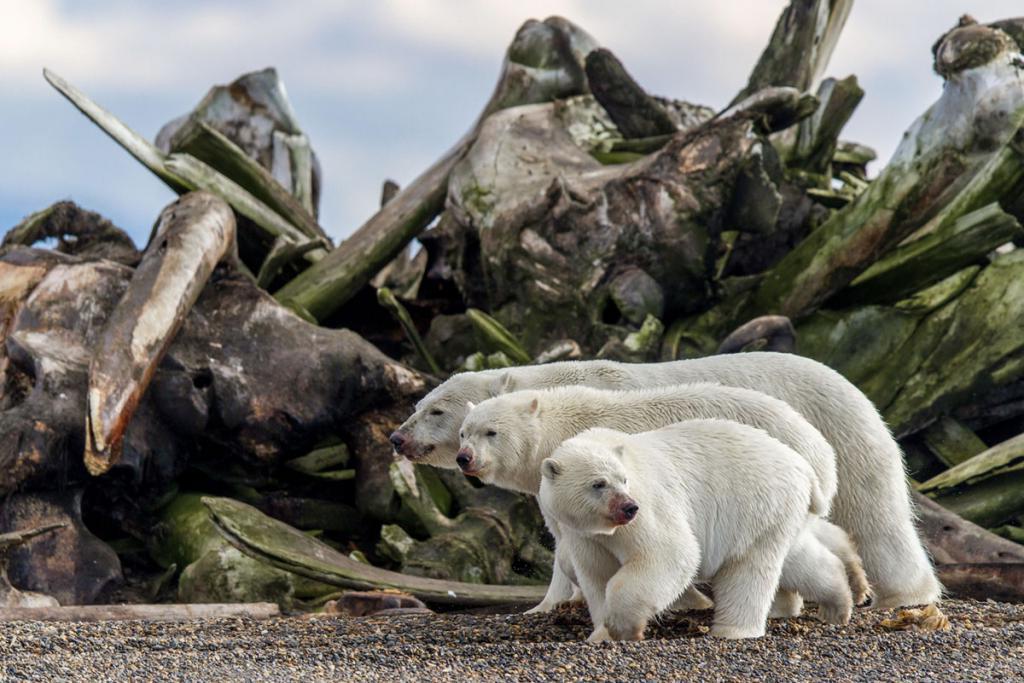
x=383, y=88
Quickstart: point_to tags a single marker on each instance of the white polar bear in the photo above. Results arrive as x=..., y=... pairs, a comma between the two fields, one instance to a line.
x=872, y=502
x=504, y=440
x=645, y=515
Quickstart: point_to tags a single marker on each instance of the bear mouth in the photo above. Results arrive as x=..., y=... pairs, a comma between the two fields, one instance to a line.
x=474, y=472
x=419, y=453
x=619, y=520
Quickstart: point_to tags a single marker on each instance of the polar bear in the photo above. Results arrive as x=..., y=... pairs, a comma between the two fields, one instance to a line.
x=504, y=440
x=872, y=501
x=645, y=515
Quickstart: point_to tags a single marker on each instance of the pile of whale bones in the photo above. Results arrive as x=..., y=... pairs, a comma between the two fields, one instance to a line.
x=767, y=476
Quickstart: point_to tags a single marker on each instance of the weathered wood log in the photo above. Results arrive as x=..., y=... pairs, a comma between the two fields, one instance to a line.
x=544, y=61
x=182, y=173
x=270, y=541
x=215, y=387
x=915, y=265
x=955, y=158
x=635, y=113
x=1002, y=581
x=926, y=355
x=70, y=563
x=951, y=539
x=497, y=336
x=800, y=47
x=767, y=333
x=774, y=108
x=202, y=141
x=261, y=610
x=530, y=241
x=193, y=234
x=817, y=136
x=214, y=571
x=91, y=235
x=952, y=442
x=987, y=489
x=253, y=111
x=386, y=299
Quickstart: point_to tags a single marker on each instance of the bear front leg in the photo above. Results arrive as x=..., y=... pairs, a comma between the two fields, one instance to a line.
x=648, y=583
x=594, y=566
x=561, y=589
x=819, y=576
x=744, y=588
x=563, y=586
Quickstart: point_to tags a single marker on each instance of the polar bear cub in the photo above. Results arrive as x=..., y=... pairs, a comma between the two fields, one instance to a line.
x=504, y=440
x=645, y=515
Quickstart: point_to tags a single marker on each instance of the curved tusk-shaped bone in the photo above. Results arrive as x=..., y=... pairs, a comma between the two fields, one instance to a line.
x=193, y=235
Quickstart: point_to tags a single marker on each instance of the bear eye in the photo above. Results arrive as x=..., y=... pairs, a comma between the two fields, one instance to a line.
x=598, y=485
x=491, y=432
x=436, y=411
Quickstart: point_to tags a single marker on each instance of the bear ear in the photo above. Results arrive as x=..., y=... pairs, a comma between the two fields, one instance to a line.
x=534, y=406
x=619, y=451
x=503, y=385
x=470, y=405
x=549, y=468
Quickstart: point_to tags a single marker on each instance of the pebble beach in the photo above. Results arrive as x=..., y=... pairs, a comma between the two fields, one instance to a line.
x=985, y=642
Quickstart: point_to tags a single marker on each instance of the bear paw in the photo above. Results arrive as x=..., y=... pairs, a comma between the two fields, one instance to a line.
x=599, y=635
x=543, y=607
x=692, y=599
x=786, y=605
x=835, y=613
x=736, y=632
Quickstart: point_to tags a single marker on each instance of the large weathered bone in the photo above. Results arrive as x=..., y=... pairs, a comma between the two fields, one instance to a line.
x=192, y=236
x=543, y=62
x=270, y=541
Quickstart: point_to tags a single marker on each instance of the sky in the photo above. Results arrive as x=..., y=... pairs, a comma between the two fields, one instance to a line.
x=383, y=88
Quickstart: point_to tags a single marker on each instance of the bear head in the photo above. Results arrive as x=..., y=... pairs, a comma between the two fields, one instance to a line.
x=431, y=434
x=584, y=484
x=497, y=440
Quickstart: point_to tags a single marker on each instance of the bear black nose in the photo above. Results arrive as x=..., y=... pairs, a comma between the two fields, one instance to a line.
x=464, y=458
x=630, y=510
x=398, y=440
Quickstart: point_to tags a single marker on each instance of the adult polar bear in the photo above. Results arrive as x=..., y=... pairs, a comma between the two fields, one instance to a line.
x=504, y=439
x=872, y=502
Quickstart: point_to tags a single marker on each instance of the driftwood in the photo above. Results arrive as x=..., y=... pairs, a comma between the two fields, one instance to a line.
x=260, y=610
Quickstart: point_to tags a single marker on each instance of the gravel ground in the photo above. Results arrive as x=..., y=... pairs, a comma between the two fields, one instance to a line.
x=986, y=642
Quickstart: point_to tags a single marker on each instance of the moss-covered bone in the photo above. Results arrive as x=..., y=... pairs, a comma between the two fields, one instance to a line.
x=264, y=538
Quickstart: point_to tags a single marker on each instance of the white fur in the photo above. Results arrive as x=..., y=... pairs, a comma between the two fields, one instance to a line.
x=511, y=434
x=872, y=500
x=718, y=501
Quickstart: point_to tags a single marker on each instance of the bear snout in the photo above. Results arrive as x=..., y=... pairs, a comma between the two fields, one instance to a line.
x=398, y=441
x=624, y=510
x=408, y=447
x=464, y=459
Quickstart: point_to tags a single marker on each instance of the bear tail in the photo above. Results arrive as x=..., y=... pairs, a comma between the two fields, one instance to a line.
x=819, y=506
